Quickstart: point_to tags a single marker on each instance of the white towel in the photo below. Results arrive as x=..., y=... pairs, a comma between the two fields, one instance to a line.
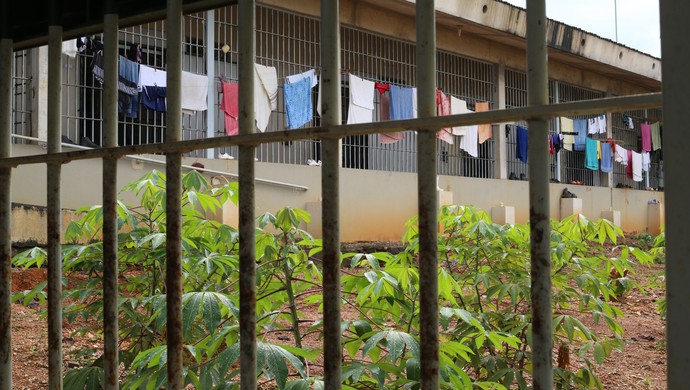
x=361, y=107
x=70, y=48
x=621, y=155
x=265, y=94
x=637, y=166
x=646, y=162
x=469, y=140
x=194, y=88
x=149, y=76
x=601, y=121
x=300, y=76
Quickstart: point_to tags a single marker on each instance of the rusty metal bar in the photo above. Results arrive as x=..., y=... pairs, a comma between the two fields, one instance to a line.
x=6, y=57
x=594, y=106
x=110, y=258
x=247, y=225
x=330, y=192
x=54, y=201
x=675, y=51
x=173, y=276
x=427, y=197
x=540, y=229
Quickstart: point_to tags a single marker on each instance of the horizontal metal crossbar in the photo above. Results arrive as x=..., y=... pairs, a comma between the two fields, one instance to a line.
x=586, y=107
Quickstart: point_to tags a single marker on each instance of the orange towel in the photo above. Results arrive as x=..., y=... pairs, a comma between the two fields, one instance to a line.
x=484, y=130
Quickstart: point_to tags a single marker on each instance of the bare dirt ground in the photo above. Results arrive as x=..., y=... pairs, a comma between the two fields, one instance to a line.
x=641, y=366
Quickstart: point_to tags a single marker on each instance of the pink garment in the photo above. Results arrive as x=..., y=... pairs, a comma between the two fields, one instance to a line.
x=384, y=111
x=443, y=108
x=646, y=137
x=230, y=106
x=629, y=167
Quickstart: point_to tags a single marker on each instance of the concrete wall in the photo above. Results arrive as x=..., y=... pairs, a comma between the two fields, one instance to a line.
x=374, y=204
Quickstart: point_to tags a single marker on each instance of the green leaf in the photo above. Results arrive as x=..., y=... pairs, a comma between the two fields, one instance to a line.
x=86, y=378
x=599, y=353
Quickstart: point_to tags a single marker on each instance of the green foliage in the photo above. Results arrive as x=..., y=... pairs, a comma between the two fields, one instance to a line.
x=484, y=293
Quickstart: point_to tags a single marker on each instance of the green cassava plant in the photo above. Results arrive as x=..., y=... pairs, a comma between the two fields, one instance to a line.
x=483, y=288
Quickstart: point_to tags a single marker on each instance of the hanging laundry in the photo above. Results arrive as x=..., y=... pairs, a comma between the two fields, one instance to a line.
x=551, y=148
x=265, y=94
x=598, y=149
x=69, y=48
x=311, y=73
x=646, y=162
x=621, y=155
x=580, y=129
x=469, y=141
x=656, y=136
x=382, y=87
x=298, y=106
x=229, y=104
x=606, y=157
x=402, y=103
x=601, y=122
x=629, y=167
x=154, y=98
x=592, y=126
x=443, y=108
x=646, y=131
x=128, y=94
x=630, y=123
x=152, y=76
x=557, y=142
x=522, y=144
x=591, y=160
x=384, y=114
x=483, y=129
x=194, y=90
x=636, y=166
x=361, y=107
x=567, y=129
x=97, y=66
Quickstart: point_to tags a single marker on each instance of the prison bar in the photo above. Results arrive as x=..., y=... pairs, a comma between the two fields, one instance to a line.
x=247, y=54
x=593, y=106
x=330, y=193
x=427, y=197
x=54, y=201
x=110, y=247
x=539, y=221
x=6, y=57
x=676, y=86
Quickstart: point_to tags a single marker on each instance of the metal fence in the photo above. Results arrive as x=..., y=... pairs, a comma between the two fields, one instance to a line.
x=537, y=109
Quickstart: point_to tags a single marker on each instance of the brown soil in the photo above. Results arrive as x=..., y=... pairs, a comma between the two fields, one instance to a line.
x=641, y=366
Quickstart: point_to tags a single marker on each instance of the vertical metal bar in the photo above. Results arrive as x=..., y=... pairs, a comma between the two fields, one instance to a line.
x=247, y=55
x=54, y=201
x=110, y=289
x=428, y=202
x=6, y=58
x=557, y=97
x=211, y=73
x=330, y=191
x=173, y=277
x=538, y=94
x=676, y=85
